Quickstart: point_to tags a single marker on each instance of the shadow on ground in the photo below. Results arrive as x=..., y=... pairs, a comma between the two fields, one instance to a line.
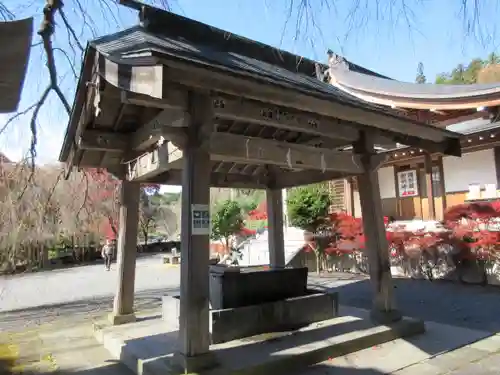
x=119, y=369
x=470, y=306
x=113, y=368
x=77, y=310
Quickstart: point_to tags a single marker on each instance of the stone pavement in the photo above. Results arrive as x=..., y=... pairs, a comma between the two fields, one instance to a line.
x=81, y=293
x=479, y=358
x=59, y=348
x=68, y=347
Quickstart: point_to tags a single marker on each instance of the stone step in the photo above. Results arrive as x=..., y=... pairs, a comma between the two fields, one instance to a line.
x=147, y=346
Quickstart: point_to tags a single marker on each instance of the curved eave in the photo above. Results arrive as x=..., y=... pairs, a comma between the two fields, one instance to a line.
x=415, y=96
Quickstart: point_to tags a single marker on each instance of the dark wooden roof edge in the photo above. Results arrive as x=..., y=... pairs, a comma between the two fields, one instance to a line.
x=167, y=23
x=15, y=41
x=78, y=102
x=463, y=136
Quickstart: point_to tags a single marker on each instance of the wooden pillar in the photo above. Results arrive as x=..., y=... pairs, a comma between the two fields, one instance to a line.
x=348, y=197
x=275, y=227
x=442, y=186
x=194, y=333
x=383, y=308
x=428, y=186
x=123, y=305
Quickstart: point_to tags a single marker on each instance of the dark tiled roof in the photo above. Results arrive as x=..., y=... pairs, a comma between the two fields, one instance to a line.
x=376, y=85
x=126, y=45
x=473, y=126
x=171, y=24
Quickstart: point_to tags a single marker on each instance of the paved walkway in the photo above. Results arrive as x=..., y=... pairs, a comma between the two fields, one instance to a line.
x=80, y=284
x=480, y=358
x=80, y=293
x=443, y=349
x=61, y=348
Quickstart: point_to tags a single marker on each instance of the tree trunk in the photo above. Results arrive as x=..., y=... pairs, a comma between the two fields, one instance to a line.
x=318, y=263
x=29, y=256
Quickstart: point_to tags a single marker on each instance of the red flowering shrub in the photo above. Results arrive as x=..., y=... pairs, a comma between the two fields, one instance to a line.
x=256, y=219
x=475, y=229
x=471, y=232
x=103, y=197
x=402, y=242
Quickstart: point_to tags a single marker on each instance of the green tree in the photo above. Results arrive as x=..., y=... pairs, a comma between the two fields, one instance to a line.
x=227, y=220
x=420, y=74
x=492, y=59
x=476, y=71
x=308, y=207
x=308, y=210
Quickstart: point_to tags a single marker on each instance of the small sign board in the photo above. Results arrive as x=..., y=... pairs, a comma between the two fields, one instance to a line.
x=200, y=219
x=407, y=183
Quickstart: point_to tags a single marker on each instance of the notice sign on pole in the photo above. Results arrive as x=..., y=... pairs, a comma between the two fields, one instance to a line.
x=200, y=219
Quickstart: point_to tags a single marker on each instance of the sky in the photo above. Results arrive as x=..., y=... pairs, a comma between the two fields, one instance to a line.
x=389, y=39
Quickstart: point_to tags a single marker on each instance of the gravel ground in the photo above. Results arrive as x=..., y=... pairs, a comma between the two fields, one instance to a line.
x=89, y=290
x=468, y=306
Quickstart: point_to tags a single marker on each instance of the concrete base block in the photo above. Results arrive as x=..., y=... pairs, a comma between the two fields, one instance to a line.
x=121, y=319
x=385, y=317
x=149, y=348
x=170, y=310
x=285, y=315
x=195, y=364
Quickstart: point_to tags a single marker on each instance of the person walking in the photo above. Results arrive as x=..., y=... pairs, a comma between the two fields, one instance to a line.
x=107, y=254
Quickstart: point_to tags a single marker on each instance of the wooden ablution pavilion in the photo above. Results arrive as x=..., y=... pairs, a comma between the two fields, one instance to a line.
x=175, y=101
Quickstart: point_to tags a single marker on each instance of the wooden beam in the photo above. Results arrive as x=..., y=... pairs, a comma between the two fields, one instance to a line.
x=253, y=86
x=68, y=165
x=248, y=150
x=153, y=163
x=252, y=111
x=97, y=140
x=166, y=124
x=292, y=179
x=222, y=180
x=174, y=98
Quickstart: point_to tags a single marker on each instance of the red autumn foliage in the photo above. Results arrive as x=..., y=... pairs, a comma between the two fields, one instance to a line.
x=473, y=211
x=105, y=195
x=475, y=229
x=260, y=213
x=245, y=232
x=469, y=230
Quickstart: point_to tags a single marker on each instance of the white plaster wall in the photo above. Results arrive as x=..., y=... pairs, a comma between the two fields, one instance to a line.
x=387, y=188
x=472, y=168
x=357, y=204
x=386, y=182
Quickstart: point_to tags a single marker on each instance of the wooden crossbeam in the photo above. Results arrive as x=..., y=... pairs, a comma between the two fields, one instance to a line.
x=96, y=140
x=167, y=124
x=221, y=180
x=251, y=111
x=246, y=150
x=153, y=163
x=240, y=149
